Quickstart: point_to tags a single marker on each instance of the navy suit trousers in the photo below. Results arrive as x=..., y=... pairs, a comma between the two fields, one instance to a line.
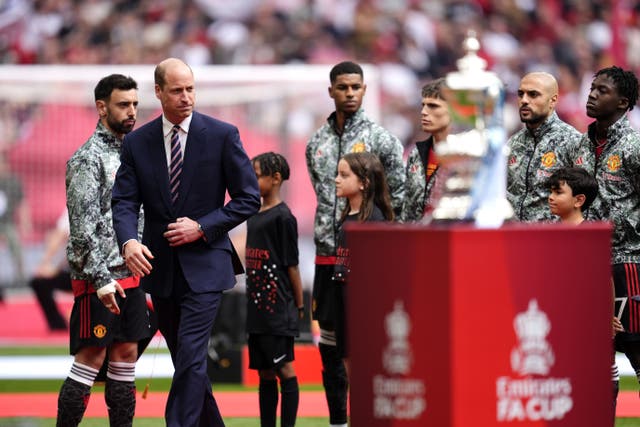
x=185, y=320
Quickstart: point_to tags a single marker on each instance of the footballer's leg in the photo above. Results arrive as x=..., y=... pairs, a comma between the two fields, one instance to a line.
x=334, y=380
x=75, y=392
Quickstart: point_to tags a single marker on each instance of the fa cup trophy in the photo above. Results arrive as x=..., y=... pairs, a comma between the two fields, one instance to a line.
x=472, y=175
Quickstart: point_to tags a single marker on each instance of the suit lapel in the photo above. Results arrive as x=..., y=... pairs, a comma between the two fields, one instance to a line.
x=158, y=158
x=195, y=140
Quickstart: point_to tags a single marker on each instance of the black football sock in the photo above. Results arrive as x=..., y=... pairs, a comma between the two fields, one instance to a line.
x=615, y=381
x=616, y=389
x=72, y=402
x=120, y=398
x=268, y=399
x=290, y=398
x=335, y=382
x=120, y=393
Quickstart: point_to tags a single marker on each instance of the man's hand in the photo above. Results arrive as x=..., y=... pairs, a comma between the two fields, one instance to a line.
x=109, y=298
x=183, y=231
x=137, y=256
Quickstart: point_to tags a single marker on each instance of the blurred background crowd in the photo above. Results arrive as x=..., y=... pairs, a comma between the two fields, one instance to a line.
x=409, y=41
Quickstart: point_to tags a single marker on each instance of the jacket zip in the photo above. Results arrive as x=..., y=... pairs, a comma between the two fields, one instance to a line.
x=527, y=177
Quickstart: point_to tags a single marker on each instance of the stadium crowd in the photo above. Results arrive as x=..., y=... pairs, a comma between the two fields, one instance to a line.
x=410, y=40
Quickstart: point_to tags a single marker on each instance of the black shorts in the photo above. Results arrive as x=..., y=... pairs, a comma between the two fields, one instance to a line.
x=625, y=342
x=325, y=294
x=93, y=325
x=626, y=280
x=269, y=351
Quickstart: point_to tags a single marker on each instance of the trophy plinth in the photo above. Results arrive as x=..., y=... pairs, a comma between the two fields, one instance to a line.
x=472, y=173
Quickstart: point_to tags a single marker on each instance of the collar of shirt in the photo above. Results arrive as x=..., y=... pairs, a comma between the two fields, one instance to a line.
x=167, y=128
x=106, y=136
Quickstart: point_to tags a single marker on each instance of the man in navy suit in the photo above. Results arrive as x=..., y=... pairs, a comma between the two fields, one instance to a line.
x=185, y=258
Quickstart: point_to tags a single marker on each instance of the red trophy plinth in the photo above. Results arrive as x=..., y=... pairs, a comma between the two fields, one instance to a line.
x=466, y=327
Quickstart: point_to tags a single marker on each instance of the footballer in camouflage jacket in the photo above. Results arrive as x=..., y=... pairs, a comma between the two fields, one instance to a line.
x=323, y=152
x=534, y=156
x=617, y=171
x=417, y=188
x=92, y=251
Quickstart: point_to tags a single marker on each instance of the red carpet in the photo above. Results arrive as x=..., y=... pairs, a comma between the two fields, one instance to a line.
x=231, y=404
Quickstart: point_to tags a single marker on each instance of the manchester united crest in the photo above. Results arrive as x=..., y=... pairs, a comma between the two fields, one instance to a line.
x=359, y=147
x=100, y=331
x=548, y=160
x=614, y=163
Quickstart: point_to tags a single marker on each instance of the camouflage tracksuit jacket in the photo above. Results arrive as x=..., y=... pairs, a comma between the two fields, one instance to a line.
x=534, y=156
x=92, y=251
x=617, y=171
x=416, y=188
x=324, y=150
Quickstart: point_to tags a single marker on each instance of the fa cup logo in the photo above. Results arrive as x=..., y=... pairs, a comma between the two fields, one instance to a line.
x=534, y=354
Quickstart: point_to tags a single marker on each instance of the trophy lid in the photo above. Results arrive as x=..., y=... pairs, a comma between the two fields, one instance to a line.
x=472, y=74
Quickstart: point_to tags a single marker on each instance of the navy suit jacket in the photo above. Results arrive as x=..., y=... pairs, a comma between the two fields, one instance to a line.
x=214, y=162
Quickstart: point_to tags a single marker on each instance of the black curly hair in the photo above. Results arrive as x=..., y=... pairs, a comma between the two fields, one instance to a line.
x=626, y=83
x=272, y=163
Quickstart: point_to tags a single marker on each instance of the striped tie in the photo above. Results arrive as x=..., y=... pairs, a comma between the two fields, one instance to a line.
x=175, y=167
